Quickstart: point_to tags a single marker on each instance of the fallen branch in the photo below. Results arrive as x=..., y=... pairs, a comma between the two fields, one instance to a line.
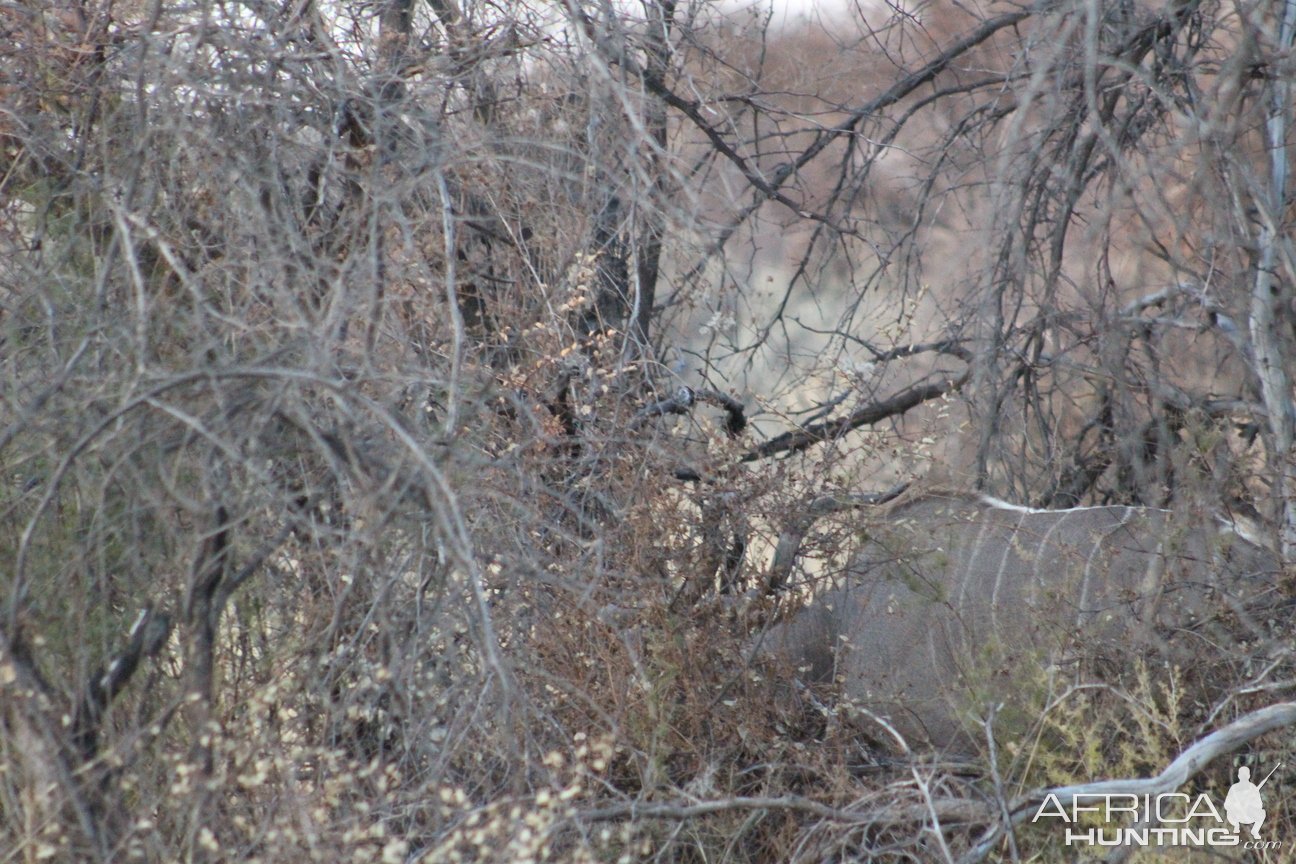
x=951, y=810
x=1177, y=773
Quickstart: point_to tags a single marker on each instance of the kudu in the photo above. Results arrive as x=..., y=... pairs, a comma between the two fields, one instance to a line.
x=956, y=602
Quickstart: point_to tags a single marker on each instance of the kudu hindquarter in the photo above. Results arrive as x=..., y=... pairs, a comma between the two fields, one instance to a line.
x=958, y=602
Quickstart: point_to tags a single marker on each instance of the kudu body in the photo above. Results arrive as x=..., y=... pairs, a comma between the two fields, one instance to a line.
x=957, y=602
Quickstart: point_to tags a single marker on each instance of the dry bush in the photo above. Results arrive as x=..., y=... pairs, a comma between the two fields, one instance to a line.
x=411, y=411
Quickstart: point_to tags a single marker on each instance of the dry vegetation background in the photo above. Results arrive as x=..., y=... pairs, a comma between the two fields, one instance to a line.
x=403, y=402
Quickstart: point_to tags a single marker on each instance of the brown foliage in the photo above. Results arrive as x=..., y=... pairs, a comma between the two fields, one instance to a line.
x=411, y=411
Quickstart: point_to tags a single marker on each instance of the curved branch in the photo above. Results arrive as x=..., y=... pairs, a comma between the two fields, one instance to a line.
x=1188, y=763
x=684, y=400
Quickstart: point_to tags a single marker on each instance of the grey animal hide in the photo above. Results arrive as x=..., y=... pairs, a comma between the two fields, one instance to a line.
x=958, y=602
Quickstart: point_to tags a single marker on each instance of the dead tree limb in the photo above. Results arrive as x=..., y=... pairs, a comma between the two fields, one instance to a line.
x=1187, y=764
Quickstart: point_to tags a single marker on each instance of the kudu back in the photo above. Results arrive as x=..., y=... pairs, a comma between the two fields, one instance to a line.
x=957, y=602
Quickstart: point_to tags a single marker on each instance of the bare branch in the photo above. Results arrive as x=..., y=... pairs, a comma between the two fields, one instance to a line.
x=831, y=430
x=1185, y=766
